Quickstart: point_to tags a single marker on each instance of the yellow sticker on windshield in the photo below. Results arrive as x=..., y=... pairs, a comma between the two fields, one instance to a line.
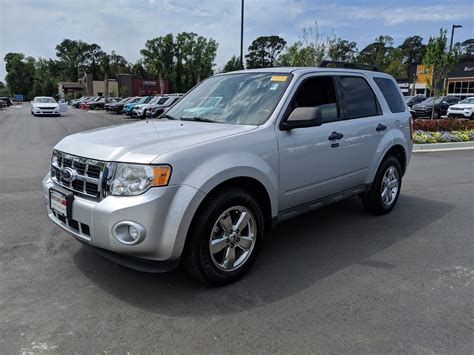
x=279, y=78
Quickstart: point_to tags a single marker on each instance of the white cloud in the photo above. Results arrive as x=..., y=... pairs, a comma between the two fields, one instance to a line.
x=35, y=27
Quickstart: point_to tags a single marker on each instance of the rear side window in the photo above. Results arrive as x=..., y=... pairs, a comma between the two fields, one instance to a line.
x=391, y=94
x=358, y=97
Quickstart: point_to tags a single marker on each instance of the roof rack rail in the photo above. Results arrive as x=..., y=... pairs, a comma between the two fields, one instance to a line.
x=347, y=65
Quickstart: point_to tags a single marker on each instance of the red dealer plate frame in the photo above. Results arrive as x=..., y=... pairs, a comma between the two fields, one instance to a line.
x=61, y=202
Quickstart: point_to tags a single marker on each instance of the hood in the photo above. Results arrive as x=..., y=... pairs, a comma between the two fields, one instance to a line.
x=142, y=142
x=462, y=106
x=421, y=106
x=139, y=106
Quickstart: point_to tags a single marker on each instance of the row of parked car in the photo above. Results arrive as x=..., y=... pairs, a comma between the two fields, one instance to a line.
x=451, y=106
x=136, y=106
x=5, y=101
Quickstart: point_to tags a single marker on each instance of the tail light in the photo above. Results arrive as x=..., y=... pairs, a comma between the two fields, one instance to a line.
x=411, y=128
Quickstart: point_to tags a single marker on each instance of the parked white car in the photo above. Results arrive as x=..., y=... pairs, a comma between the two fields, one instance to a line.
x=464, y=109
x=45, y=105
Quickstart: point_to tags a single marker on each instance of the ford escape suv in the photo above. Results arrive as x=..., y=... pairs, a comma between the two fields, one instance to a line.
x=203, y=184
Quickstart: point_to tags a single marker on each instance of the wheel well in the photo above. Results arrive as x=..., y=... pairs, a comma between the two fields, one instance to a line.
x=255, y=188
x=398, y=152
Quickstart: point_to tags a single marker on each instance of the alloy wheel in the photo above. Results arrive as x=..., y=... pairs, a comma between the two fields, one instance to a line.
x=233, y=238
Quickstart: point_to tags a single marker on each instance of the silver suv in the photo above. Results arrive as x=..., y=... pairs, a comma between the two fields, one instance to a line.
x=203, y=184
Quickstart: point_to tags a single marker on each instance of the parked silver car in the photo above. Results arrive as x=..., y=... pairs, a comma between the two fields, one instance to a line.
x=241, y=151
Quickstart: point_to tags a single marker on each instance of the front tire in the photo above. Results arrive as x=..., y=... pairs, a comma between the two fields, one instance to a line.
x=385, y=190
x=224, y=238
x=436, y=115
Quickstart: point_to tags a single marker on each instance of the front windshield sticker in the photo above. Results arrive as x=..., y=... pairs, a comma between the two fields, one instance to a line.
x=279, y=78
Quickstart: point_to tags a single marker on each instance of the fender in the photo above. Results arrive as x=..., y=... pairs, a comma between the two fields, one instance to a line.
x=229, y=165
x=205, y=178
x=393, y=138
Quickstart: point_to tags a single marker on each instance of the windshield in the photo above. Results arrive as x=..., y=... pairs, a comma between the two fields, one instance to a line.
x=467, y=101
x=246, y=99
x=142, y=100
x=408, y=98
x=155, y=99
x=436, y=100
x=44, y=100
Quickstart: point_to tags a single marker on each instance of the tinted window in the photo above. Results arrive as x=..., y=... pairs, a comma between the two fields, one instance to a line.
x=359, y=99
x=318, y=92
x=391, y=94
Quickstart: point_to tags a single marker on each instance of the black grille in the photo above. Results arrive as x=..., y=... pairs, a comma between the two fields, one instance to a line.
x=73, y=224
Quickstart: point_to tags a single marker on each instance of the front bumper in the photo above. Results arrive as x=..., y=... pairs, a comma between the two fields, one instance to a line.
x=164, y=212
x=45, y=112
x=137, y=113
x=460, y=113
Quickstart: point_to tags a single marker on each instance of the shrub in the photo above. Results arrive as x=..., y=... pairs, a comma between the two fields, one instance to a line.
x=422, y=137
x=447, y=124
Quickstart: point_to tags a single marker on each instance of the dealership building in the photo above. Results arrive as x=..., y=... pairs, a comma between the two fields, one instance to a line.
x=123, y=85
x=460, y=81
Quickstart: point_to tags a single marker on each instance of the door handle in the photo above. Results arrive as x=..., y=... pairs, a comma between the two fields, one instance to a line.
x=335, y=135
x=381, y=127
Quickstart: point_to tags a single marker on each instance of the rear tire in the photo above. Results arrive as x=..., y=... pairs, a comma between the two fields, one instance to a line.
x=385, y=190
x=219, y=249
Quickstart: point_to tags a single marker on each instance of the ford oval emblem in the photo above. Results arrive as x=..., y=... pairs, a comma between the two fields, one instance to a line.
x=68, y=174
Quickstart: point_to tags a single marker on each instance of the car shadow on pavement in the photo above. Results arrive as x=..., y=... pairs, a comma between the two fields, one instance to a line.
x=298, y=254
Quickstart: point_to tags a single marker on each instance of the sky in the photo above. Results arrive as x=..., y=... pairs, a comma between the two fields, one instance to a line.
x=35, y=27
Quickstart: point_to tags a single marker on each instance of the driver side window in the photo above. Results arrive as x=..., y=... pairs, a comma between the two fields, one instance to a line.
x=318, y=92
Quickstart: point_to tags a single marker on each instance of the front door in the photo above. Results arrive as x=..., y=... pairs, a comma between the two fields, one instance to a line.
x=313, y=159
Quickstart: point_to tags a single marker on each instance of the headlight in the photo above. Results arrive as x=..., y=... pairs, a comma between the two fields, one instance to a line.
x=133, y=179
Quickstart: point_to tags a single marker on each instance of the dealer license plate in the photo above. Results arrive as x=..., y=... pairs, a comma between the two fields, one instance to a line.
x=60, y=202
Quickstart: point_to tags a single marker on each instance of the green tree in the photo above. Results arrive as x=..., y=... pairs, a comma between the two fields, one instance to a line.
x=439, y=59
x=3, y=89
x=297, y=55
x=263, y=51
x=76, y=55
x=309, y=51
x=467, y=48
x=203, y=55
x=341, y=50
x=94, y=61
x=44, y=84
x=185, y=59
x=158, y=55
x=138, y=70
x=395, y=64
x=413, y=50
x=232, y=64
x=20, y=74
x=376, y=52
x=118, y=65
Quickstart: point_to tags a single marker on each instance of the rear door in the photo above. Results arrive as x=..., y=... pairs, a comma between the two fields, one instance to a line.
x=365, y=121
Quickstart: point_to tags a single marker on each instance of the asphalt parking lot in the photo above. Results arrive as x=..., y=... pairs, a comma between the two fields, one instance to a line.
x=333, y=281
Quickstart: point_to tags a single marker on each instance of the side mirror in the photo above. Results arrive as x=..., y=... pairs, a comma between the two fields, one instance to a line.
x=302, y=117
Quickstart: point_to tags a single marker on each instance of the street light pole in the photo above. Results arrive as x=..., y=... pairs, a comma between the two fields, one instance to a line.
x=452, y=35
x=242, y=36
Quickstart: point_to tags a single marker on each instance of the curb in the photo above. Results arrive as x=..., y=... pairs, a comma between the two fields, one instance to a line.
x=442, y=147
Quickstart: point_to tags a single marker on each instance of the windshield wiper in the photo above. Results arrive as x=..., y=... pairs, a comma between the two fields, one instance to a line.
x=199, y=119
x=167, y=116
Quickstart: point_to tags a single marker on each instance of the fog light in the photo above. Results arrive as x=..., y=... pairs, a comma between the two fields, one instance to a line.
x=134, y=233
x=128, y=232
